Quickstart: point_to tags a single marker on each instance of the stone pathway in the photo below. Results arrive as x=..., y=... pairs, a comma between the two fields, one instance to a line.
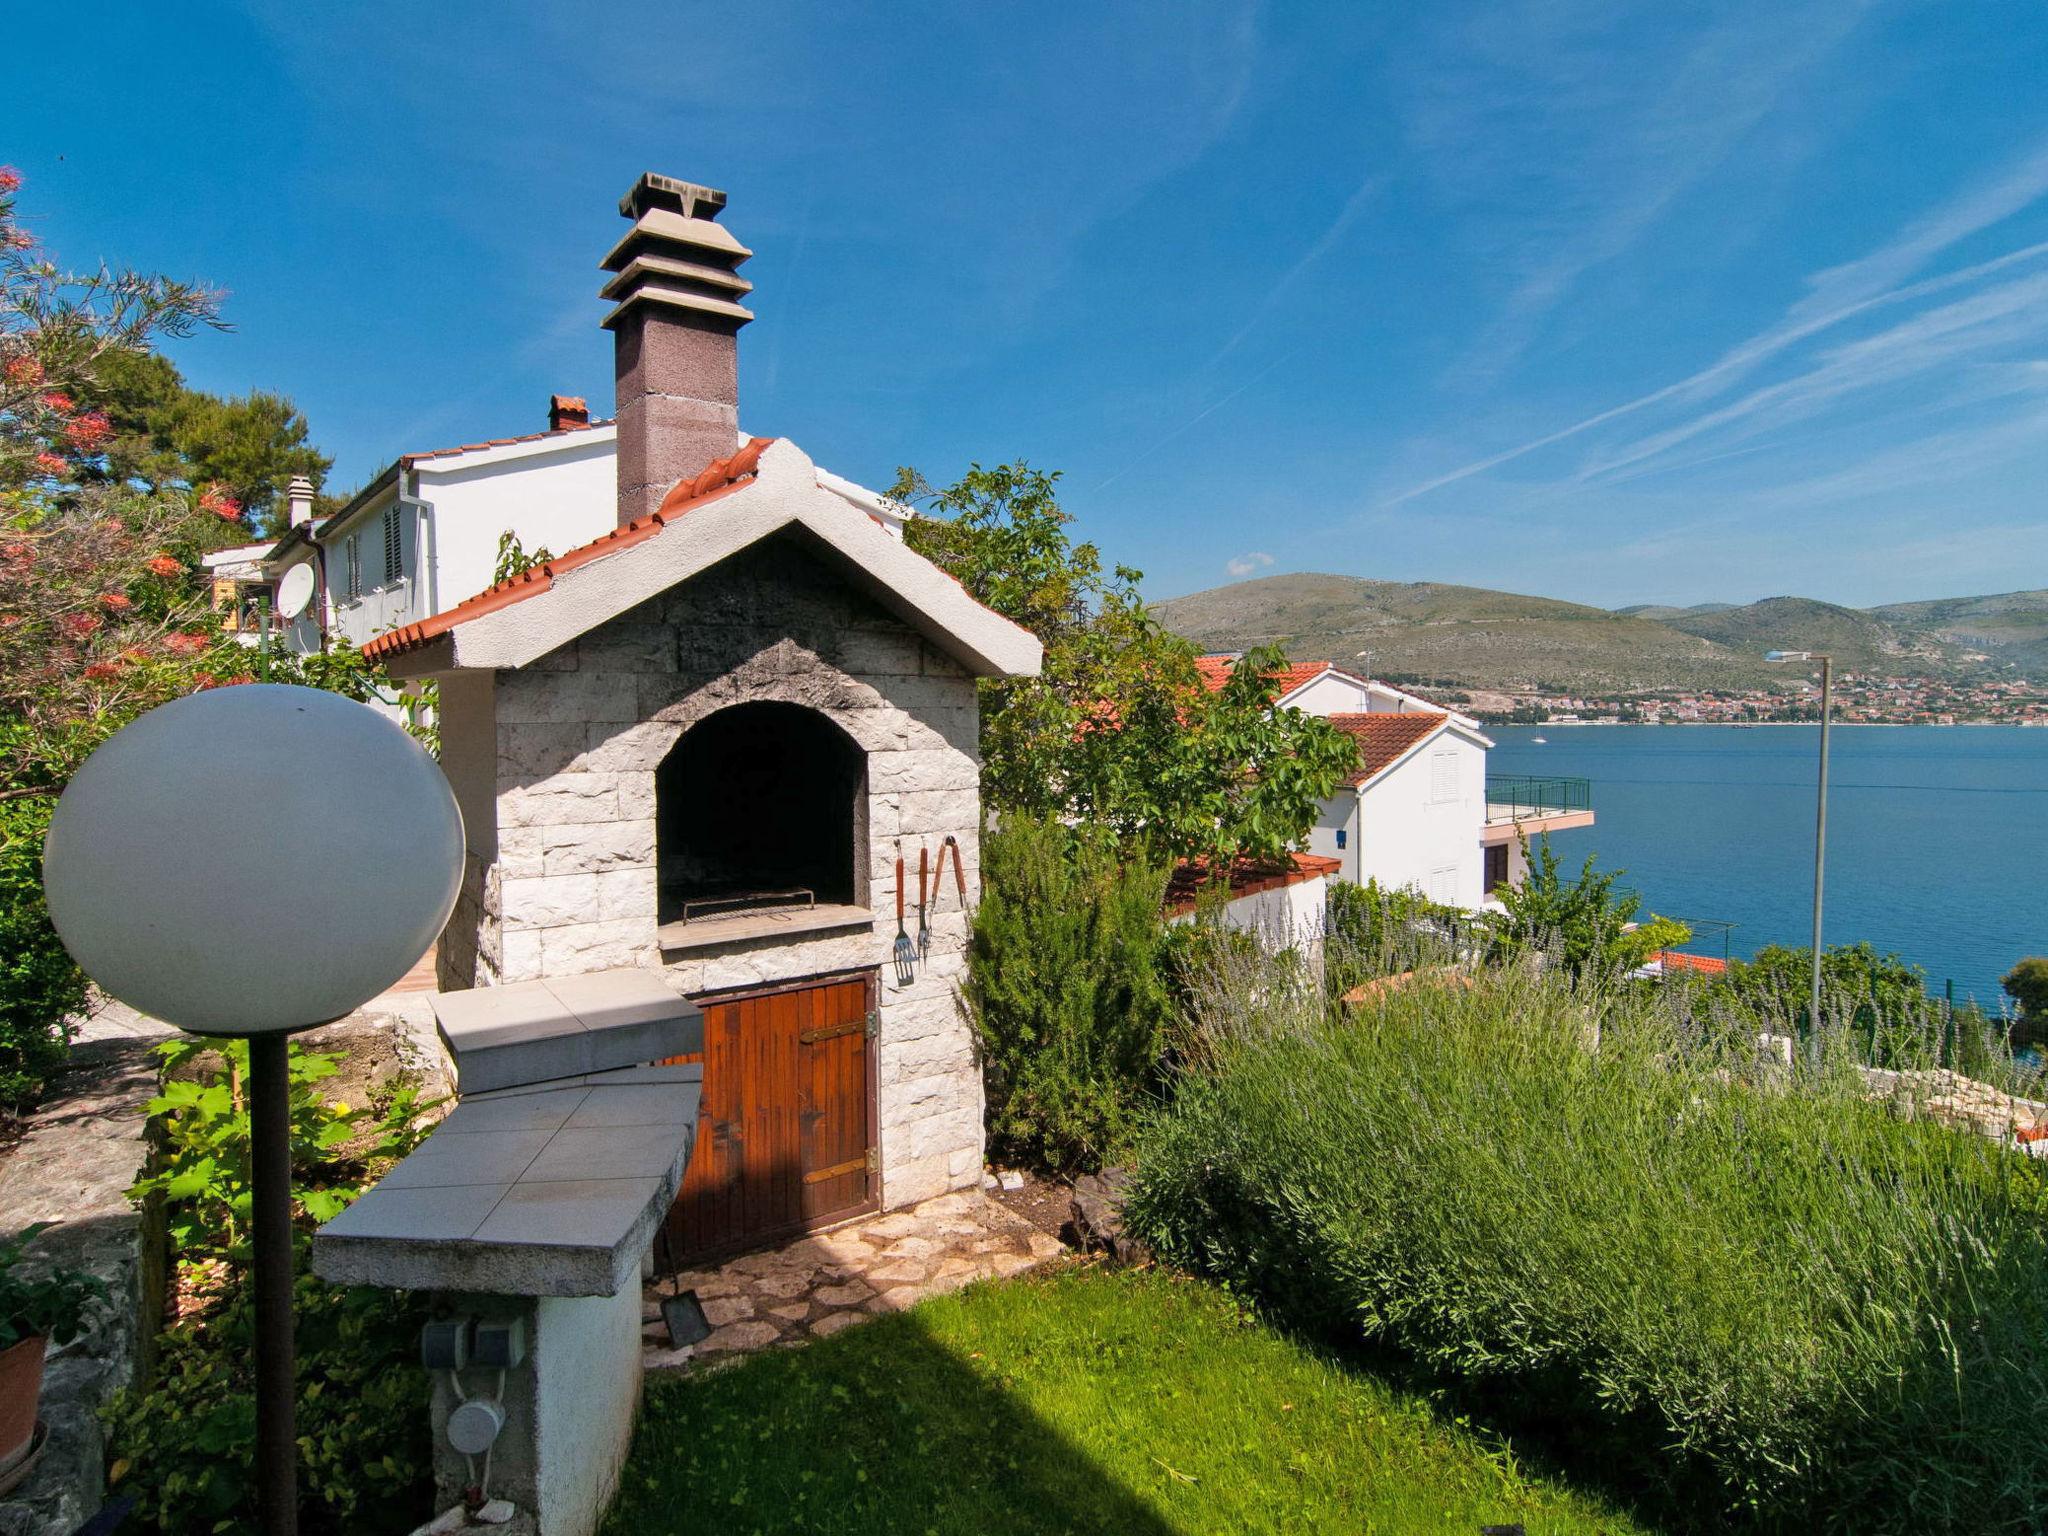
x=817, y=1285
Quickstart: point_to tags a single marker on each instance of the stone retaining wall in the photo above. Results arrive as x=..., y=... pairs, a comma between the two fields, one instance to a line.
x=79, y=1153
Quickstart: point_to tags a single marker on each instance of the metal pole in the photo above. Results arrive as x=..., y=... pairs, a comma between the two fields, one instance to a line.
x=270, y=1157
x=1820, y=827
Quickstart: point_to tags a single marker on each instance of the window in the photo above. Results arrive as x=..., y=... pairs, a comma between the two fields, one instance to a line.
x=1340, y=837
x=1443, y=777
x=394, y=549
x=1443, y=885
x=354, y=566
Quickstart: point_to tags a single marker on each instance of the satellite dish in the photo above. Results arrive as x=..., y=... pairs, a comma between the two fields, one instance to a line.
x=295, y=591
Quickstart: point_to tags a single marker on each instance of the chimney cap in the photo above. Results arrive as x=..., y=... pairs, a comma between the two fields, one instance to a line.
x=688, y=198
x=567, y=413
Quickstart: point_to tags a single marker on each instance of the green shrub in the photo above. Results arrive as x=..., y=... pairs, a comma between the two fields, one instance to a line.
x=40, y=987
x=202, y=1128
x=1067, y=988
x=1584, y=925
x=38, y=1301
x=2027, y=985
x=1372, y=931
x=1879, y=1000
x=1738, y=1276
x=183, y=1443
x=185, y=1448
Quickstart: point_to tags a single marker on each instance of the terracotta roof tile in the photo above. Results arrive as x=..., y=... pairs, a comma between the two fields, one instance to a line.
x=1248, y=877
x=1705, y=965
x=717, y=478
x=1215, y=671
x=1383, y=738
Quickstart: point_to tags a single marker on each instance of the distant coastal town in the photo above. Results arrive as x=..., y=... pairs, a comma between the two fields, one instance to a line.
x=1860, y=699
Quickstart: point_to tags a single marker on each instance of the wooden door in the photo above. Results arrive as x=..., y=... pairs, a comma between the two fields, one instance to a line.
x=785, y=1134
x=1496, y=867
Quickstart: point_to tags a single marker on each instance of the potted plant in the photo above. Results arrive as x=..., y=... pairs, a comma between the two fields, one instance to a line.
x=36, y=1306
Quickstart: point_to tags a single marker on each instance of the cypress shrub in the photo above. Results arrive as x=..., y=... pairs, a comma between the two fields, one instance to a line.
x=1068, y=993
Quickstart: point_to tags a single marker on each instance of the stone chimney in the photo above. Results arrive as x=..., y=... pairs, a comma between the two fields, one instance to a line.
x=675, y=331
x=566, y=413
x=298, y=499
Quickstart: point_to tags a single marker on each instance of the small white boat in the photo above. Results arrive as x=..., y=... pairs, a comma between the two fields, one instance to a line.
x=1539, y=741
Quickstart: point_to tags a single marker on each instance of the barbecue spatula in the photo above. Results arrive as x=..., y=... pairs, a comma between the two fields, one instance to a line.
x=905, y=952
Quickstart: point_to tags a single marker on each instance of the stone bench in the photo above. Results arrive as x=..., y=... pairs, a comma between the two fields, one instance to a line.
x=535, y=1201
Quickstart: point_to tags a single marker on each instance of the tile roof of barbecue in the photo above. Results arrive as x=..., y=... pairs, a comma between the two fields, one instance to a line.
x=521, y=619
x=1383, y=740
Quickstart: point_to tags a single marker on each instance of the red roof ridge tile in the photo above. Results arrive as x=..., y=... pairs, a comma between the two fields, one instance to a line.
x=717, y=478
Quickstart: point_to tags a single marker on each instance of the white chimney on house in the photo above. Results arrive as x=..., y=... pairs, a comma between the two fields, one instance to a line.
x=675, y=336
x=298, y=498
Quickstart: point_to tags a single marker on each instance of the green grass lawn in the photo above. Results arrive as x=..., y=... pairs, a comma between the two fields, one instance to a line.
x=1082, y=1401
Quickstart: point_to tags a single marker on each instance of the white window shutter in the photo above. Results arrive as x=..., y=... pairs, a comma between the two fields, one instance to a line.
x=1443, y=777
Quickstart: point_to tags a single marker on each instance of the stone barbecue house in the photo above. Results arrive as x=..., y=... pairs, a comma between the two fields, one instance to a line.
x=701, y=745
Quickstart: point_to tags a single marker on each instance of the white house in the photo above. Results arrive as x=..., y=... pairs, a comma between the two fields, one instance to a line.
x=424, y=534
x=1421, y=812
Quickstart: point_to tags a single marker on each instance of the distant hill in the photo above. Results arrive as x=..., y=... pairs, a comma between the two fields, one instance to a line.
x=2005, y=627
x=1478, y=638
x=1858, y=641
x=1661, y=612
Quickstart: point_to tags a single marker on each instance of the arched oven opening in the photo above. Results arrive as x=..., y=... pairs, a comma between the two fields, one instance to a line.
x=757, y=808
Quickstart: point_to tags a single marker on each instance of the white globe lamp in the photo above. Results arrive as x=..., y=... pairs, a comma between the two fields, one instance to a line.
x=251, y=861
x=254, y=859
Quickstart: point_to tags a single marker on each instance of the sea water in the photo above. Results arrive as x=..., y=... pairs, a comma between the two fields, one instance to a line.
x=1937, y=835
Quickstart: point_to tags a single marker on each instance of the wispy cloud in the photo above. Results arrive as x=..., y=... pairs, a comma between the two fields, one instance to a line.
x=1834, y=297
x=1996, y=318
x=1577, y=160
x=1324, y=243
x=1243, y=565
x=1195, y=420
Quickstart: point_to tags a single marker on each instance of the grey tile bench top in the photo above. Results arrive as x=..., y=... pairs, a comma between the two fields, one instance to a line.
x=547, y=1189
x=541, y=1031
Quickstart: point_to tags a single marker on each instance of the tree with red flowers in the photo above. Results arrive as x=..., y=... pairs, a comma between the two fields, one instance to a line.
x=103, y=609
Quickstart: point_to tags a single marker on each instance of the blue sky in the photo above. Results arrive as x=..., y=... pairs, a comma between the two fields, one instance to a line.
x=1614, y=302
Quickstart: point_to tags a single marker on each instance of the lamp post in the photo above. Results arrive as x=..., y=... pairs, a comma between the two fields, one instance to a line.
x=1820, y=818
x=252, y=862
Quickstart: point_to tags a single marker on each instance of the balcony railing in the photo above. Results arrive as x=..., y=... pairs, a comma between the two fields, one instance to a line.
x=1525, y=797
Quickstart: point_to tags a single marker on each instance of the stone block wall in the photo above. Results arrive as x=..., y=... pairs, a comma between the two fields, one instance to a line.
x=570, y=885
